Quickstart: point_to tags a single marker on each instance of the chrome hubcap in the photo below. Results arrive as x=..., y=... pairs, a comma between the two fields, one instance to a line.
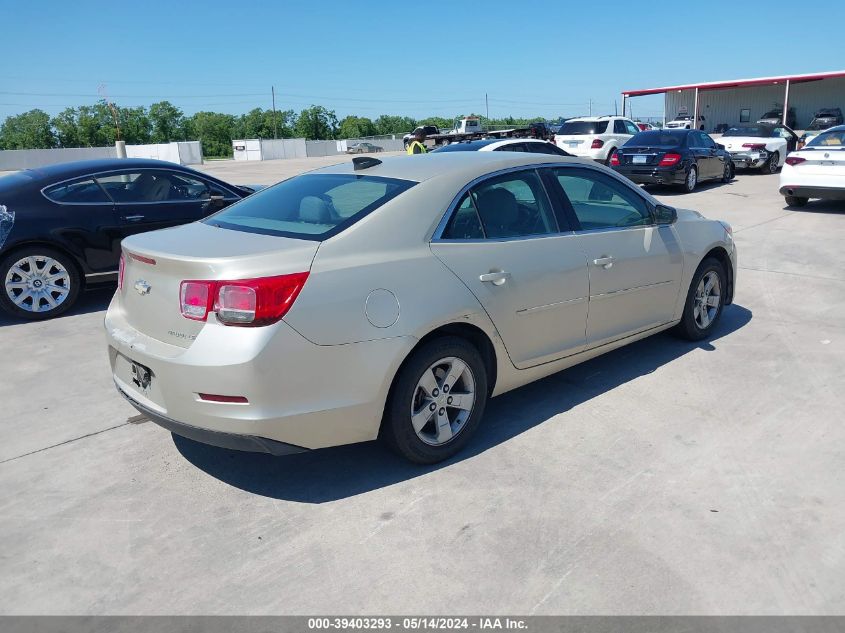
x=707, y=299
x=443, y=401
x=37, y=283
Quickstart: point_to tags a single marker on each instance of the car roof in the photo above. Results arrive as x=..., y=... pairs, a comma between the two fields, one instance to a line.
x=469, y=146
x=469, y=165
x=595, y=118
x=82, y=167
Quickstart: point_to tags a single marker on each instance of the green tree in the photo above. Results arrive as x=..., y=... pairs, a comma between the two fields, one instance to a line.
x=442, y=123
x=258, y=123
x=214, y=130
x=135, y=125
x=391, y=124
x=168, y=122
x=30, y=130
x=316, y=123
x=356, y=127
x=66, y=125
x=95, y=125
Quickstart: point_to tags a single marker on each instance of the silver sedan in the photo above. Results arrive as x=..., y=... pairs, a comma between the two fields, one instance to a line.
x=393, y=298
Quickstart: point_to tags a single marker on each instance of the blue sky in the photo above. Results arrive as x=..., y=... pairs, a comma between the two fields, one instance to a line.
x=399, y=57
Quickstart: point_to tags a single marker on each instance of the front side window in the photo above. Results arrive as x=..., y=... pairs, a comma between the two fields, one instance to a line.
x=312, y=206
x=84, y=191
x=599, y=202
x=546, y=148
x=619, y=126
x=137, y=187
x=511, y=147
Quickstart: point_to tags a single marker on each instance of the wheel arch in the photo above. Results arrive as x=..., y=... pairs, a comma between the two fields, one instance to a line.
x=721, y=255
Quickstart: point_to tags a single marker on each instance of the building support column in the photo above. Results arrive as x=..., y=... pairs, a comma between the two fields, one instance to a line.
x=786, y=104
x=694, y=125
x=624, y=102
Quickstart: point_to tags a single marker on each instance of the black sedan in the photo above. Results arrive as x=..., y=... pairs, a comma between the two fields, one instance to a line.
x=61, y=225
x=673, y=157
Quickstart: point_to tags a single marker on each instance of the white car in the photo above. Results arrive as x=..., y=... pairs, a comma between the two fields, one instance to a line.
x=595, y=137
x=759, y=146
x=817, y=170
x=684, y=122
x=530, y=145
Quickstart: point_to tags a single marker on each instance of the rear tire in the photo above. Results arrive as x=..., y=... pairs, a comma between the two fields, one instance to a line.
x=729, y=172
x=690, y=180
x=704, y=302
x=796, y=201
x=427, y=419
x=609, y=156
x=38, y=283
x=772, y=165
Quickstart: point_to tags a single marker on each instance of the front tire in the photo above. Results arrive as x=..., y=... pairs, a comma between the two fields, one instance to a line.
x=729, y=173
x=772, y=165
x=436, y=402
x=705, y=300
x=796, y=201
x=38, y=283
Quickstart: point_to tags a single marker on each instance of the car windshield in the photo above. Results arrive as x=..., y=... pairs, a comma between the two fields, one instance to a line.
x=313, y=206
x=656, y=138
x=828, y=140
x=751, y=130
x=578, y=128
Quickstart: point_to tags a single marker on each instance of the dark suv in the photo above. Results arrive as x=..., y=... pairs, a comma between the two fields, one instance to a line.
x=825, y=118
x=775, y=117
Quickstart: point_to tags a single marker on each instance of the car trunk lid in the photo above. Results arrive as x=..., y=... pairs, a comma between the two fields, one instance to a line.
x=155, y=265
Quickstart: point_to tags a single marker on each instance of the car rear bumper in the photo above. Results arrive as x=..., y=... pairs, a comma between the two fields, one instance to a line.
x=297, y=393
x=825, y=193
x=653, y=175
x=749, y=160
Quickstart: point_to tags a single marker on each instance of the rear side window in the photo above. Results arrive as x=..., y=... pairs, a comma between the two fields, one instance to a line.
x=580, y=128
x=599, y=202
x=84, y=191
x=512, y=205
x=546, y=148
x=314, y=206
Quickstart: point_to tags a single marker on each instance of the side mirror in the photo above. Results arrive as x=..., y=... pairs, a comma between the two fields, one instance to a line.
x=664, y=214
x=215, y=196
x=719, y=146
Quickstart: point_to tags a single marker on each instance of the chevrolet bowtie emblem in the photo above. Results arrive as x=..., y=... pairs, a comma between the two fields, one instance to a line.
x=142, y=287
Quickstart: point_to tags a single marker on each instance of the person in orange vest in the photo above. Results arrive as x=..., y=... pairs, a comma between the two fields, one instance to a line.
x=417, y=146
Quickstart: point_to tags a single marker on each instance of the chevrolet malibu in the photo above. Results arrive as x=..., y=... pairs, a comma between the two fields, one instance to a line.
x=391, y=299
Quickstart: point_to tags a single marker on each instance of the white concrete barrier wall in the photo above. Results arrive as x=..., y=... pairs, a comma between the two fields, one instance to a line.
x=14, y=159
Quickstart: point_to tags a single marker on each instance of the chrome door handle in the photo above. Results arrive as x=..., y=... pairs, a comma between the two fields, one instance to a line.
x=133, y=218
x=605, y=262
x=497, y=278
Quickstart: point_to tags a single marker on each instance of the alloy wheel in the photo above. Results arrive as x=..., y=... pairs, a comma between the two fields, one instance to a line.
x=692, y=179
x=773, y=163
x=443, y=401
x=37, y=283
x=707, y=299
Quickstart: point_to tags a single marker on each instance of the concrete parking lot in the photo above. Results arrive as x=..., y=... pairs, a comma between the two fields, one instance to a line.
x=662, y=478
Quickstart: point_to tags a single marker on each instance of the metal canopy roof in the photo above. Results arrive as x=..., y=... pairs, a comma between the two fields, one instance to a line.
x=738, y=83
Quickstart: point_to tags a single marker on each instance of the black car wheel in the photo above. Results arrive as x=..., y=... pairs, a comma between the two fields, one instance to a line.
x=771, y=166
x=691, y=179
x=38, y=283
x=705, y=300
x=728, y=174
x=609, y=156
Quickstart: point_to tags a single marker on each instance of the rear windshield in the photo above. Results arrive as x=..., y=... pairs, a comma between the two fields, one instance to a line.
x=583, y=127
x=828, y=140
x=311, y=207
x=773, y=114
x=656, y=138
x=751, y=130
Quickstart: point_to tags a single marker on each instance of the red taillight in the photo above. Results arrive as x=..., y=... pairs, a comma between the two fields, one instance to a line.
x=121, y=268
x=597, y=143
x=795, y=160
x=195, y=298
x=669, y=159
x=244, y=302
x=615, y=161
x=754, y=145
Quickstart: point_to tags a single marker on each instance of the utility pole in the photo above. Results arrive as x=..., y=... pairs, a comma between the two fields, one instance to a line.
x=487, y=107
x=591, y=107
x=273, y=92
x=615, y=111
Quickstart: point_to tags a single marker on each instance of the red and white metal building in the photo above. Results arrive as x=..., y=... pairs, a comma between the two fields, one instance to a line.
x=746, y=100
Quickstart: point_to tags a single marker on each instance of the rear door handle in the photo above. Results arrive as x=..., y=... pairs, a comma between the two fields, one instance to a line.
x=134, y=218
x=496, y=278
x=605, y=261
